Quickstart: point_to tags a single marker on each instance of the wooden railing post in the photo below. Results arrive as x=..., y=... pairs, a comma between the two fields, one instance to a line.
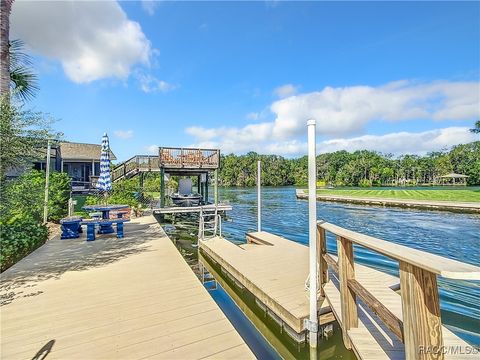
x=322, y=263
x=346, y=271
x=422, y=325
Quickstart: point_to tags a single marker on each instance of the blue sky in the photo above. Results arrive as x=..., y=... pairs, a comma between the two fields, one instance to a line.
x=388, y=76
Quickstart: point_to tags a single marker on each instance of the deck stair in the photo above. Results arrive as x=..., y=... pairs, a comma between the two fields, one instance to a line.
x=378, y=320
x=135, y=165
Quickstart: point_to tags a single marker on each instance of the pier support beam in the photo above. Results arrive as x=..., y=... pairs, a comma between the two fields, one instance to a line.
x=312, y=232
x=259, y=196
x=162, y=187
x=346, y=272
x=422, y=325
x=206, y=188
x=215, y=190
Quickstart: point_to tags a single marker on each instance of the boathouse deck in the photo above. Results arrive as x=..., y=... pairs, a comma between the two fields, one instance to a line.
x=112, y=299
x=274, y=269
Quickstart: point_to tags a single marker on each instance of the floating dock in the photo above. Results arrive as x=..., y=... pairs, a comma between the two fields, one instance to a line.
x=453, y=206
x=112, y=298
x=274, y=270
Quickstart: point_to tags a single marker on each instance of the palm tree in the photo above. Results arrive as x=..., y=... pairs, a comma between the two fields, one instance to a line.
x=15, y=64
x=5, y=9
x=476, y=129
x=23, y=81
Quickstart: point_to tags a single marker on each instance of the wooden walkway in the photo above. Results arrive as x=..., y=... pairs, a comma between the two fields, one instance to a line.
x=132, y=298
x=454, y=206
x=274, y=269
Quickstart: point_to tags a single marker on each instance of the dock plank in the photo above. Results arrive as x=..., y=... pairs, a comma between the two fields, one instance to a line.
x=274, y=269
x=266, y=270
x=130, y=298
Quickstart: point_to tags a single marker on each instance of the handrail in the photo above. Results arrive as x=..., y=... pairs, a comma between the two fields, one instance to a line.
x=136, y=162
x=193, y=158
x=421, y=324
x=447, y=268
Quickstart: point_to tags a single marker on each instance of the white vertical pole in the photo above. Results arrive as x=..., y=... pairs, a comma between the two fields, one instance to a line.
x=259, y=195
x=312, y=231
x=47, y=178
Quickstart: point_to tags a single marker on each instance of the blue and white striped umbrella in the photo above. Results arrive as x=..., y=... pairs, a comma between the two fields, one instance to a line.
x=104, y=182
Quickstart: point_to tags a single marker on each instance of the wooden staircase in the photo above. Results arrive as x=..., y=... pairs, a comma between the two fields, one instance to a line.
x=134, y=166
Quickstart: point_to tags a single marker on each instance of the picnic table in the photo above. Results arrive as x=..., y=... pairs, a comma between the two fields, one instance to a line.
x=105, y=226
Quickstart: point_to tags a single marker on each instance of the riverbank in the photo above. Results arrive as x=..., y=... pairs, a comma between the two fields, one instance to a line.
x=376, y=199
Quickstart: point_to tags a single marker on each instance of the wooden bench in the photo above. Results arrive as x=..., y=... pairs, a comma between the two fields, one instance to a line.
x=103, y=223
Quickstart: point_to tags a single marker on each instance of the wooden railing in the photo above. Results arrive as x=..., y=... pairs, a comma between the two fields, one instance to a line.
x=189, y=158
x=420, y=325
x=136, y=164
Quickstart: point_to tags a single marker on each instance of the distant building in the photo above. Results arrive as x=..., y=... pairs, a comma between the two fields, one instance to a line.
x=80, y=161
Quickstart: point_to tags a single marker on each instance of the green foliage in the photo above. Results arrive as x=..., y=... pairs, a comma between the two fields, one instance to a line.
x=21, y=213
x=24, y=81
x=18, y=238
x=476, y=129
x=23, y=136
x=242, y=170
x=360, y=168
x=24, y=197
x=123, y=192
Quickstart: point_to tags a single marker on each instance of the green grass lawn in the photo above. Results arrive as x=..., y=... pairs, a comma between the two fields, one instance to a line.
x=447, y=195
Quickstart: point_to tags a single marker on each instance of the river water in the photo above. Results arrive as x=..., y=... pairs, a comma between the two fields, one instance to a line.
x=453, y=235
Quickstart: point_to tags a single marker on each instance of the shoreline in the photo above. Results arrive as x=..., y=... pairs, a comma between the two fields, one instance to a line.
x=452, y=206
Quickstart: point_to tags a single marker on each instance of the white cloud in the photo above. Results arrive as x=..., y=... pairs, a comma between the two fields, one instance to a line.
x=123, y=134
x=149, y=83
x=253, y=116
x=150, y=6
x=343, y=111
x=92, y=40
x=402, y=142
x=394, y=143
x=347, y=110
x=151, y=150
x=285, y=90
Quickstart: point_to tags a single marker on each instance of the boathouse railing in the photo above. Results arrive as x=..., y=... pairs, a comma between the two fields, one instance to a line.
x=421, y=324
x=189, y=158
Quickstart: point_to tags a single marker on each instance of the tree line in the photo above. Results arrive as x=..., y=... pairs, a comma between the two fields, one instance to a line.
x=359, y=168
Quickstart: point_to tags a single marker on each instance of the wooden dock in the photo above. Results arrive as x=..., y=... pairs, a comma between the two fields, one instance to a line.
x=192, y=209
x=112, y=298
x=453, y=206
x=274, y=269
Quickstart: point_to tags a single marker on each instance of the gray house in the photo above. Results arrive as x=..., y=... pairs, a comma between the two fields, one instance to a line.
x=80, y=161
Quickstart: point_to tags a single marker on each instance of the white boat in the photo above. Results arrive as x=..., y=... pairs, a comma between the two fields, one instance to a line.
x=186, y=200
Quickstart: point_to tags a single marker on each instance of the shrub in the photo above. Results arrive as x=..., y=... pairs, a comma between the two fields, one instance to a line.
x=19, y=237
x=24, y=196
x=365, y=183
x=123, y=192
x=21, y=213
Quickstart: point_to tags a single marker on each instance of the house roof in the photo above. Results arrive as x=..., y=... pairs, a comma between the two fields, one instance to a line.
x=81, y=151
